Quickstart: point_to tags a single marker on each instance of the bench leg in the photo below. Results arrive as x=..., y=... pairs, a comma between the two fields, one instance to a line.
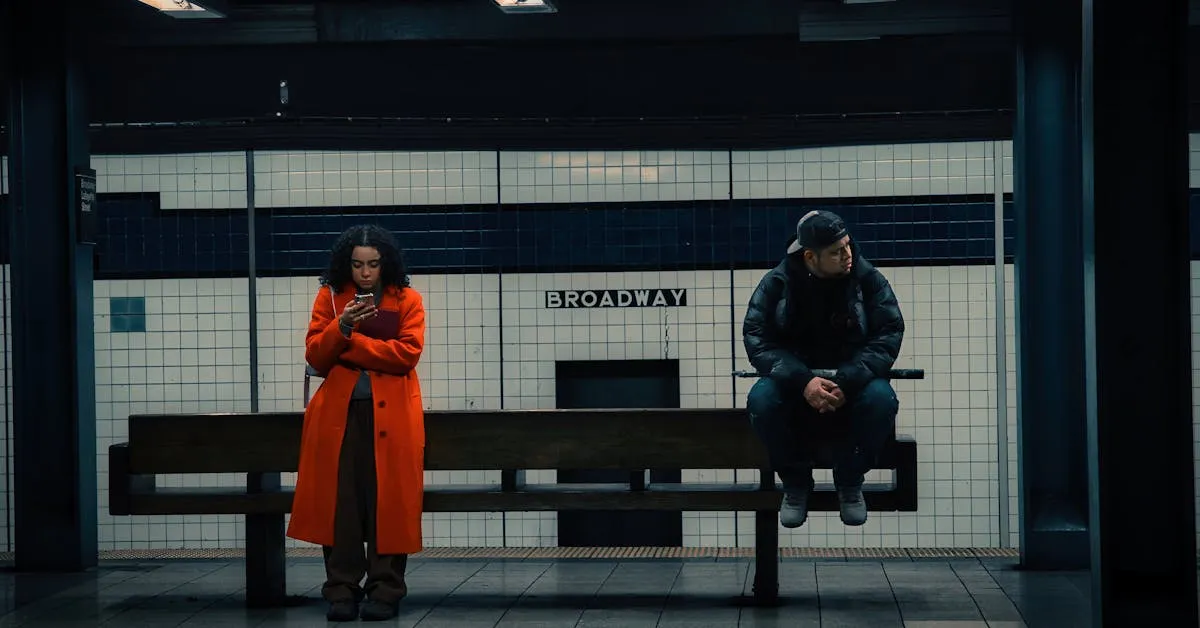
x=766, y=557
x=266, y=562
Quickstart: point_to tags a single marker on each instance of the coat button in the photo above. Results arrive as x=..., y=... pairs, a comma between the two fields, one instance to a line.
x=383, y=435
x=382, y=404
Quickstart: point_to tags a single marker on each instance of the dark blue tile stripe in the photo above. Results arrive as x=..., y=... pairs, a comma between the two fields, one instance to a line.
x=137, y=239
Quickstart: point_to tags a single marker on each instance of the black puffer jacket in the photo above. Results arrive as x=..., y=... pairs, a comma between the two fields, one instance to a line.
x=774, y=335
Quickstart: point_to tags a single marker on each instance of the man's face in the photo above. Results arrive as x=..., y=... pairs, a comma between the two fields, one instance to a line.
x=835, y=260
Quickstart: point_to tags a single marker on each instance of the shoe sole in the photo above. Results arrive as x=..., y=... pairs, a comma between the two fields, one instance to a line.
x=792, y=526
x=852, y=523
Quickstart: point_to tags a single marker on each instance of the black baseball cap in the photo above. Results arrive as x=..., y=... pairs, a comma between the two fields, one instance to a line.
x=817, y=230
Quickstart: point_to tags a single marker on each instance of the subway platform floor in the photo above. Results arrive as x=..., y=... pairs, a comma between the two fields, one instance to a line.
x=559, y=588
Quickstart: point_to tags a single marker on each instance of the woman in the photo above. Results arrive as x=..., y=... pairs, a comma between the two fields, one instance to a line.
x=362, y=449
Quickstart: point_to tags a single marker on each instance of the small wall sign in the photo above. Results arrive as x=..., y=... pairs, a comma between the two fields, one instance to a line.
x=642, y=297
x=85, y=205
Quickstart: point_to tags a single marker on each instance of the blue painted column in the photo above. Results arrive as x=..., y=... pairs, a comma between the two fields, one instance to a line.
x=1138, y=323
x=53, y=366
x=1051, y=408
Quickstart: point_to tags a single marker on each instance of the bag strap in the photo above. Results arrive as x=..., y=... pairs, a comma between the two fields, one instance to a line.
x=307, y=368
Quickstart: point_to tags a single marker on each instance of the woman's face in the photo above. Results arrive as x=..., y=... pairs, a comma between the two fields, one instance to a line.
x=365, y=267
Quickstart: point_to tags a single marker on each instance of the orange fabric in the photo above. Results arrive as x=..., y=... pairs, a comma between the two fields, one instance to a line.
x=399, y=421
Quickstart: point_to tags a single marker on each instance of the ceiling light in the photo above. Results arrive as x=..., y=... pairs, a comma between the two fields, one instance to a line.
x=526, y=6
x=184, y=8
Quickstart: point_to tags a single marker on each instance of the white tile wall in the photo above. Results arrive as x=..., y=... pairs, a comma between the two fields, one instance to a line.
x=535, y=337
x=193, y=355
x=1194, y=182
x=186, y=181
x=1196, y=373
x=6, y=442
x=6, y=436
x=613, y=176
x=346, y=179
x=939, y=168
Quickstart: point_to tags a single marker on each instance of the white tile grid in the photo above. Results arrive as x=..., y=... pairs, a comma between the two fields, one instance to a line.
x=1194, y=160
x=193, y=357
x=613, y=176
x=1010, y=362
x=1196, y=383
x=6, y=438
x=1010, y=339
x=699, y=527
x=938, y=168
x=184, y=181
x=346, y=179
x=1194, y=182
x=6, y=542
x=699, y=336
x=149, y=528
x=460, y=369
x=949, y=319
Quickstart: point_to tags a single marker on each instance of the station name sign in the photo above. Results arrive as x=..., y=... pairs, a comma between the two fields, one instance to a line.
x=645, y=297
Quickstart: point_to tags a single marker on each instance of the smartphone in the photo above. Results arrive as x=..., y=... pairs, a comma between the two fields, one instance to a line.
x=363, y=298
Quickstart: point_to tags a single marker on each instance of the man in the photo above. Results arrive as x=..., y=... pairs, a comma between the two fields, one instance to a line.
x=823, y=307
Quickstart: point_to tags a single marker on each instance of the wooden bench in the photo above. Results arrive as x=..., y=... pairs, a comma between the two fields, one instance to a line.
x=262, y=445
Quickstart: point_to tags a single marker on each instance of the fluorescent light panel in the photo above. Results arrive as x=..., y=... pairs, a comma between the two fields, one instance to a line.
x=526, y=6
x=182, y=8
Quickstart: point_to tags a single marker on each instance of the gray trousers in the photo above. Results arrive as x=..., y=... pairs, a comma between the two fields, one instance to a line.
x=354, y=521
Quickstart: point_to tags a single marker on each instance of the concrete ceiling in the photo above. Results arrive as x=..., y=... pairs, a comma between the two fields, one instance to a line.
x=128, y=23
x=420, y=72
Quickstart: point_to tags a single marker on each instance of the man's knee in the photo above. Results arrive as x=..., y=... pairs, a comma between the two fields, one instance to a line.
x=766, y=400
x=878, y=402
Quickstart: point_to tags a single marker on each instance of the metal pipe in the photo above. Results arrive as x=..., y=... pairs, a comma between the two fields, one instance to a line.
x=252, y=285
x=1001, y=347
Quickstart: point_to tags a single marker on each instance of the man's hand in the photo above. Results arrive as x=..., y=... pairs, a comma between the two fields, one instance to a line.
x=823, y=395
x=839, y=394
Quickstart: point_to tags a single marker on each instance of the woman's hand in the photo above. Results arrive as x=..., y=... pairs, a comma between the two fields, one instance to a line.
x=355, y=313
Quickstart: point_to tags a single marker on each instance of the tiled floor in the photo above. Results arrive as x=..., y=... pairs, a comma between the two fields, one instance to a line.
x=629, y=593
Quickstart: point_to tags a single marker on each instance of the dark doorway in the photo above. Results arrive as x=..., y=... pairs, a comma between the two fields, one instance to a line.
x=618, y=384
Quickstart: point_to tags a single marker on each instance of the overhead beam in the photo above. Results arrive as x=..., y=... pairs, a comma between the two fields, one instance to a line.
x=623, y=20
x=559, y=134
x=830, y=21
x=705, y=79
x=121, y=23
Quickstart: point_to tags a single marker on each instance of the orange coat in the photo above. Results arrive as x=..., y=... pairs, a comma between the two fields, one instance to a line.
x=399, y=420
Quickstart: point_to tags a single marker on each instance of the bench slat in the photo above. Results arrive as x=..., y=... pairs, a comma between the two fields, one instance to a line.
x=490, y=498
x=469, y=440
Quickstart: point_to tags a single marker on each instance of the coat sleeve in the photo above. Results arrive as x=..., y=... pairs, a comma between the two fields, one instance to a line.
x=885, y=334
x=764, y=347
x=324, y=341
x=399, y=355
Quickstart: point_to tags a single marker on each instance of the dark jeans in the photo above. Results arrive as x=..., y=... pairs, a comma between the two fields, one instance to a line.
x=354, y=521
x=791, y=429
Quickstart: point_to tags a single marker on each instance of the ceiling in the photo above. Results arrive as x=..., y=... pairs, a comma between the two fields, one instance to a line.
x=127, y=22
x=705, y=73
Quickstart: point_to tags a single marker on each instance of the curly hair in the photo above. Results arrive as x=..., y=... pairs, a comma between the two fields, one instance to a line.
x=393, y=271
